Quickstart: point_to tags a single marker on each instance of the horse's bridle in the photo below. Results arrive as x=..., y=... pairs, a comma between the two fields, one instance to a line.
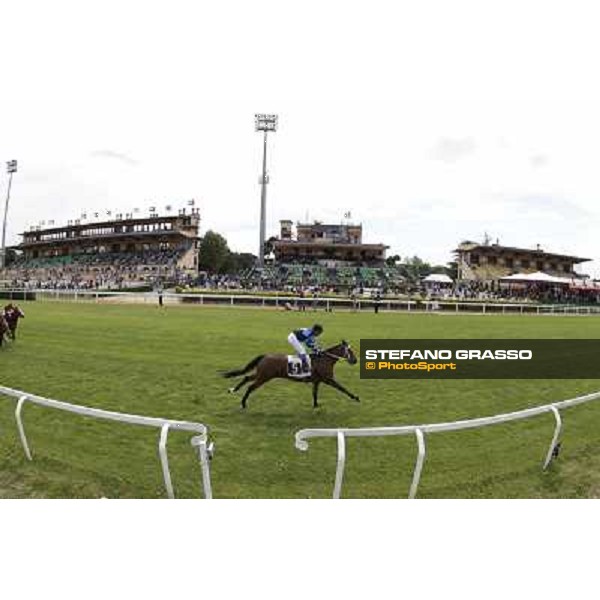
x=345, y=356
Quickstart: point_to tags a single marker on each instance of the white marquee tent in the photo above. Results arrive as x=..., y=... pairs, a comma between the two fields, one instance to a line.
x=537, y=277
x=437, y=278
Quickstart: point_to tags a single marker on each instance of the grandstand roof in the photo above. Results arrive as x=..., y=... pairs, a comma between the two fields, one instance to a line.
x=185, y=226
x=96, y=224
x=496, y=248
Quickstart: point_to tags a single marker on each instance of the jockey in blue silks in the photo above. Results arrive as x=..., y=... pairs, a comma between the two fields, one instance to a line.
x=307, y=337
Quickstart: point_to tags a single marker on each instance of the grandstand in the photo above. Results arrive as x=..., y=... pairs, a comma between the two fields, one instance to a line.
x=110, y=254
x=331, y=245
x=326, y=257
x=489, y=262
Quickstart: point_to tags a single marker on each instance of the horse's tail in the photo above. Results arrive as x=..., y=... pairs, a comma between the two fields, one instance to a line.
x=248, y=367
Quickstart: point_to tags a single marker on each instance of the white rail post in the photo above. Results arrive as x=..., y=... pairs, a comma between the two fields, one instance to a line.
x=418, y=464
x=204, y=456
x=164, y=460
x=341, y=463
x=20, y=427
x=557, y=430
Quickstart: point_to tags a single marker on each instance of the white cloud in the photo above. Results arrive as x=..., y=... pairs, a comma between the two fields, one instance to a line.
x=112, y=155
x=452, y=149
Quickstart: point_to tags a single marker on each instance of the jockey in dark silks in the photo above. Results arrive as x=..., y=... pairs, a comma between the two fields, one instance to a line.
x=4, y=328
x=11, y=315
x=307, y=337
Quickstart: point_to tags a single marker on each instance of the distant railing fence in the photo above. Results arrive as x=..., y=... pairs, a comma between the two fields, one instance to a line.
x=419, y=432
x=281, y=301
x=200, y=442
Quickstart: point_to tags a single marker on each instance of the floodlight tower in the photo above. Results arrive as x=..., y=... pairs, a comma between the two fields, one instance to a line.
x=11, y=167
x=264, y=123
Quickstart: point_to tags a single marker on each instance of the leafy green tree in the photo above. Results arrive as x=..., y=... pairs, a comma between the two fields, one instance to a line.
x=214, y=253
x=243, y=261
x=415, y=269
x=237, y=262
x=452, y=270
x=11, y=256
x=269, y=244
x=439, y=269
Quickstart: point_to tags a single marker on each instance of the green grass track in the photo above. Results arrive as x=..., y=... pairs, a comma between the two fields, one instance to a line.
x=138, y=359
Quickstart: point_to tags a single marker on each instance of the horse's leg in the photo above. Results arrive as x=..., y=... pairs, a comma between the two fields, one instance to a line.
x=251, y=388
x=338, y=386
x=315, y=393
x=243, y=382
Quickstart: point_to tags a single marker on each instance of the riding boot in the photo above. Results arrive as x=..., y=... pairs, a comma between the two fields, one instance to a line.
x=305, y=366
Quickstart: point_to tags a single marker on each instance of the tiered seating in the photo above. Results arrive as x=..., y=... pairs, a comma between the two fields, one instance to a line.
x=110, y=269
x=42, y=263
x=281, y=276
x=347, y=276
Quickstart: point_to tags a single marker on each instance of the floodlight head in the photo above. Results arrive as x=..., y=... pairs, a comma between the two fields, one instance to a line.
x=265, y=122
x=11, y=166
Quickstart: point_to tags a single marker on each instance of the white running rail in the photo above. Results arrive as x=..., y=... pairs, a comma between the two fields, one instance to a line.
x=279, y=301
x=199, y=442
x=419, y=432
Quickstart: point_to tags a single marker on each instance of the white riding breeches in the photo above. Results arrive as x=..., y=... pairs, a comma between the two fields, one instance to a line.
x=298, y=347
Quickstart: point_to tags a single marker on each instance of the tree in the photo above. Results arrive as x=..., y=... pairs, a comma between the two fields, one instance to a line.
x=440, y=269
x=269, y=244
x=391, y=261
x=452, y=270
x=11, y=256
x=415, y=269
x=214, y=253
x=238, y=262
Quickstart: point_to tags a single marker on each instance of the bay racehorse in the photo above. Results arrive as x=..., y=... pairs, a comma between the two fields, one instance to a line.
x=12, y=314
x=273, y=366
x=4, y=328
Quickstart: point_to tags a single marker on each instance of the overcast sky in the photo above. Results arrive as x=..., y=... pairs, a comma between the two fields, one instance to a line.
x=432, y=122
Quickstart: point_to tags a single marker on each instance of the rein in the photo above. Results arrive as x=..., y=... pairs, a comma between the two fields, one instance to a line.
x=334, y=356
